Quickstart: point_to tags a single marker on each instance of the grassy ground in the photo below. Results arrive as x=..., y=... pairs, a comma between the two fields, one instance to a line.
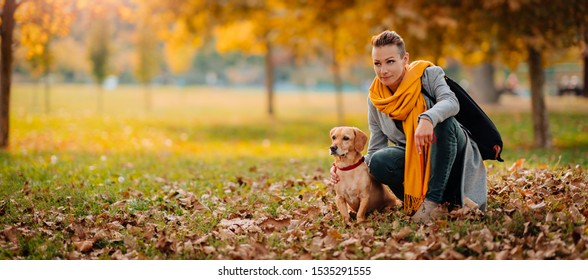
x=207, y=175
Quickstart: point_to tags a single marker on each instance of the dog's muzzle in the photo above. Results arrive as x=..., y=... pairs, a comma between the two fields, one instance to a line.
x=333, y=150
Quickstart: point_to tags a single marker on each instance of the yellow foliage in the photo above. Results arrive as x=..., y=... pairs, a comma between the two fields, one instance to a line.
x=179, y=56
x=40, y=21
x=238, y=36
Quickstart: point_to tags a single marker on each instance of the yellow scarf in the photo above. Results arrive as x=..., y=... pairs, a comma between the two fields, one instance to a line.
x=406, y=104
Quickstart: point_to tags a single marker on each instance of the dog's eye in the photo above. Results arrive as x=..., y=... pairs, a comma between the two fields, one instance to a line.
x=334, y=137
x=345, y=138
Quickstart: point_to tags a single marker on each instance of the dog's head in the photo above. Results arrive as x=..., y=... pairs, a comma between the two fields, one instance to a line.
x=345, y=139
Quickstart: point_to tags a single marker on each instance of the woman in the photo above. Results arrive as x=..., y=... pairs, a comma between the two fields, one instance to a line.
x=433, y=159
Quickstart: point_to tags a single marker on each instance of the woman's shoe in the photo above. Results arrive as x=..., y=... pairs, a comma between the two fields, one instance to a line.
x=428, y=211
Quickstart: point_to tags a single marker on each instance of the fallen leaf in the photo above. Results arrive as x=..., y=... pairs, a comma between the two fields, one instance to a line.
x=517, y=165
x=209, y=250
x=537, y=206
x=84, y=246
x=271, y=224
x=401, y=234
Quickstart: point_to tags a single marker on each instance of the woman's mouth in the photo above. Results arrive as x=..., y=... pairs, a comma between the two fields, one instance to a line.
x=385, y=78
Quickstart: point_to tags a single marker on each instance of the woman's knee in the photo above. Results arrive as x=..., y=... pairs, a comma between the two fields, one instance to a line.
x=387, y=159
x=387, y=165
x=447, y=126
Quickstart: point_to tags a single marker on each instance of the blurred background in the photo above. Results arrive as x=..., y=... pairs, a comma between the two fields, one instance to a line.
x=495, y=48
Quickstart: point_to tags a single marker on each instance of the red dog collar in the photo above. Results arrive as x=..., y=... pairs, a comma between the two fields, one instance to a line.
x=351, y=167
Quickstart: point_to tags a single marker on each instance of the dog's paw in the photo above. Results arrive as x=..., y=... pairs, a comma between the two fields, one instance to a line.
x=361, y=220
x=347, y=222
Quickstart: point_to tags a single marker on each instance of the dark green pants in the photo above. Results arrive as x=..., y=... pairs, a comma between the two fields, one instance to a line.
x=387, y=165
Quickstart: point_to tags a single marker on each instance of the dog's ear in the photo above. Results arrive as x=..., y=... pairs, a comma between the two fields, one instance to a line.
x=360, y=139
x=332, y=131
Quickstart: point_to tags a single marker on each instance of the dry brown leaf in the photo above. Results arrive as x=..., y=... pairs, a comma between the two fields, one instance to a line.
x=11, y=234
x=316, y=244
x=118, y=255
x=502, y=255
x=26, y=189
x=202, y=239
x=164, y=244
x=537, y=206
x=517, y=165
x=401, y=234
x=577, y=217
x=271, y=224
x=225, y=234
x=349, y=242
x=209, y=250
x=334, y=234
x=451, y=254
x=476, y=247
x=119, y=204
x=84, y=246
x=73, y=255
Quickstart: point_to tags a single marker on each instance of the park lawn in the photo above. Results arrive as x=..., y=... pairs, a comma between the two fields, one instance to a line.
x=207, y=175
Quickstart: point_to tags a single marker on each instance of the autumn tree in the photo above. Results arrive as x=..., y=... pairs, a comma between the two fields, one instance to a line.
x=7, y=32
x=582, y=22
x=146, y=65
x=530, y=31
x=184, y=26
x=336, y=31
x=99, y=54
x=101, y=20
x=253, y=27
x=147, y=58
x=179, y=48
x=41, y=22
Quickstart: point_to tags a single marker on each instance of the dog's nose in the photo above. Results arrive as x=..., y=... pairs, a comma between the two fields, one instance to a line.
x=333, y=148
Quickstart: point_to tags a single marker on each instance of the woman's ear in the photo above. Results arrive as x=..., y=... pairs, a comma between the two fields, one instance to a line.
x=360, y=139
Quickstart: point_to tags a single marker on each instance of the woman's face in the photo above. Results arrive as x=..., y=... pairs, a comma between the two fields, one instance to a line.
x=389, y=65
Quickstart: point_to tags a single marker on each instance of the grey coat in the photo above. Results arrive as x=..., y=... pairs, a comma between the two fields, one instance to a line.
x=383, y=130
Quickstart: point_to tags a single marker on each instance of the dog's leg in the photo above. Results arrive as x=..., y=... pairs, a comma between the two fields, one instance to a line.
x=342, y=205
x=395, y=203
x=362, y=211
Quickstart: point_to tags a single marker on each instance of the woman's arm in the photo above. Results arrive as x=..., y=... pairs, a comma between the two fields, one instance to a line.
x=446, y=103
x=378, y=140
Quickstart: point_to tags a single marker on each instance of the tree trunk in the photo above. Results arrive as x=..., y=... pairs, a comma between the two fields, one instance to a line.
x=47, y=98
x=100, y=100
x=46, y=73
x=336, y=68
x=338, y=90
x=6, y=57
x=269, y=78
x=483, y=85
x=541, y=131
x=36, y=95
x=148, y=97
x=585, y=60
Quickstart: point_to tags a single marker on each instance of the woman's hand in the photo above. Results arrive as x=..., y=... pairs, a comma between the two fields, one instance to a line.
x=423, y=134
x=334, y=176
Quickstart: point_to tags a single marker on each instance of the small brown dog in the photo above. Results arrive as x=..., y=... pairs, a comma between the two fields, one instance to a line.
x=355, y=189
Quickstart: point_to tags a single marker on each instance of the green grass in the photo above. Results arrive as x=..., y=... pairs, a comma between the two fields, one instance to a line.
x=117, y=177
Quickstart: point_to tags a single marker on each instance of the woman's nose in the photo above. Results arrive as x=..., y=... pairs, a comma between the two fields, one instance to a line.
x=383, y=71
